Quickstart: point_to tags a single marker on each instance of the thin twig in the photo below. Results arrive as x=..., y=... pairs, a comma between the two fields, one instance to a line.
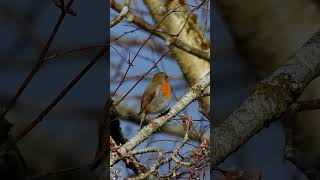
x=144, y=75
x=175, y=41
x=145, y=132
x=169, y=39
x=62, y=53
x=38, y=64
x=64, y=92
x=130, y=62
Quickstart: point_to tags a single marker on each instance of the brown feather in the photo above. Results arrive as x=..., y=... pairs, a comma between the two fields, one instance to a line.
x=147, y=98
x=151, y=90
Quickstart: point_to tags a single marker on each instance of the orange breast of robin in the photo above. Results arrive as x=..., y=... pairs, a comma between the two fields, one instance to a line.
x=166, y=89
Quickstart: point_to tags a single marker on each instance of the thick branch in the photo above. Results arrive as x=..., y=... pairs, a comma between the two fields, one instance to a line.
x=123, y=12
x=148, y=130
x=270, y=98
x=171, y=129
x=169, y=39
x=183, y=21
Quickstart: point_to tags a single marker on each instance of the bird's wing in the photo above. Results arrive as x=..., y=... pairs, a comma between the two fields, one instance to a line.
x=146, y=99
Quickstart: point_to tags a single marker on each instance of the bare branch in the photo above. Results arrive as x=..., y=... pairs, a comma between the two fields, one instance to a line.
x=124, y=11
x=39, y=62
x=64, y=92
x=143, y=134
x=169, y=39
x=268, y=101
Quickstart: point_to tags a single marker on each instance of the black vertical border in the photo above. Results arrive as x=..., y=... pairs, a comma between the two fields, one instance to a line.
x=212, y=75
x=107, y=118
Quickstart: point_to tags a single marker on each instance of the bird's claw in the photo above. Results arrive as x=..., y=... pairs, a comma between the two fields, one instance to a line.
x=164, y=113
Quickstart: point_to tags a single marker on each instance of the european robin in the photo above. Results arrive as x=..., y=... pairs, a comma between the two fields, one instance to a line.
x=156, y=96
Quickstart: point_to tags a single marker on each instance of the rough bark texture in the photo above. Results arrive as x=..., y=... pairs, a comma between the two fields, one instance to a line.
x=194, y=93
x=270, y=98
x=267, y=33
x=171, y=129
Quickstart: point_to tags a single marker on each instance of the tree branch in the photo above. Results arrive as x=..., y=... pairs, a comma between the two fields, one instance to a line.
x=268, y=101
x=148, y=130
x=169, y=39
x=128, y=114
x=123, y=12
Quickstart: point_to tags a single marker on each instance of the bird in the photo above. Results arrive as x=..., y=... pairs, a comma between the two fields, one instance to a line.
x=156, y=96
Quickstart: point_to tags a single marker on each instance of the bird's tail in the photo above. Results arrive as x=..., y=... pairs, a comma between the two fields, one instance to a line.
x=142, y=118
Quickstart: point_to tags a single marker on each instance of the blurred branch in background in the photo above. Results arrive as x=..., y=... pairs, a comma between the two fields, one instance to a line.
x=50, y=146
x=39, y=61
x=269, y=100
x=262, y=44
